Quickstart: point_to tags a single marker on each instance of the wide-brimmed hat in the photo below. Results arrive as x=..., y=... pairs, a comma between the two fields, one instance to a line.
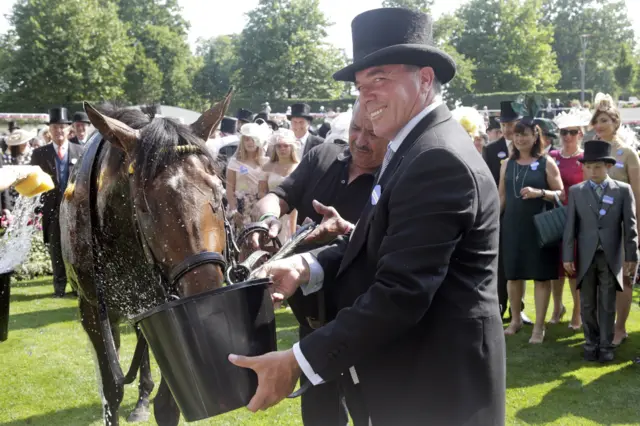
x=81, y=117
x=595, y=151
x=20, y=137
x=59, y=115
x=229, y=125
x=300, y=110
x=284, y=136
x=576, y=117
x=507, y=113
x=260, y=132
x=245, y=115
x=390, y=36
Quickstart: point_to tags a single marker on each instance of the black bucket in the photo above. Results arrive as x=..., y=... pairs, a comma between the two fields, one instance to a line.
x=192, y=337
x=5, y=295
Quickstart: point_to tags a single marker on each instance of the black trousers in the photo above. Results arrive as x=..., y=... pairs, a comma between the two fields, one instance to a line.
x=55, y=252
x=598, y=305
x=322, y=405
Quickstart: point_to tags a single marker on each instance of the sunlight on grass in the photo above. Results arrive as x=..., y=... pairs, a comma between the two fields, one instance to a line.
x=48, y=375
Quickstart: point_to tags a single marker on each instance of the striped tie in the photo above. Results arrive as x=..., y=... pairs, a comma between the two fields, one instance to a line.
x=386, y=161
x=599, y=192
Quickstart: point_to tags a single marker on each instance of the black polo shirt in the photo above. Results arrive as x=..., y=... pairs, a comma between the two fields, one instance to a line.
x=323, y=175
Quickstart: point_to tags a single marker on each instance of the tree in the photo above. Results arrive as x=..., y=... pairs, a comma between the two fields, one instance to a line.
x=143, y=84
x=218, y=54
x=445, y=30
x=282, y=53
x=64, y=53
x=607, y=27
x=159, y=27
x=423, y=6
x=625, y=70
x=509, y=44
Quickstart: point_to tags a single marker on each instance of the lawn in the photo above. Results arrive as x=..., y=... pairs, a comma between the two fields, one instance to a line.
x=47, y=375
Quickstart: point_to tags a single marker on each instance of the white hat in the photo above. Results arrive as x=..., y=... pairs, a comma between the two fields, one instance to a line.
x=470, y=119
x=340, y=127
x=576, y=117
x=259, y=132
x=20, y=137
x=284, y=136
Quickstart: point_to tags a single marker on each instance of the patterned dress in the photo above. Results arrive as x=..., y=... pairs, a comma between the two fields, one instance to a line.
x=523, y=259
x=247, y=180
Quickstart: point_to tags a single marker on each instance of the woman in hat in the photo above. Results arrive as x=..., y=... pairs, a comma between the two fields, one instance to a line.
x=606, y=122
x=473, y=122
x=244, y=173
x=568, y=158
x=18, y=154
x=528, y=180
x=282, y=162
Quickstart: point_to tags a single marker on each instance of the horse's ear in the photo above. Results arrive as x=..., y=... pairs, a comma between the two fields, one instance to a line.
x=115, y=131
x=210, y=119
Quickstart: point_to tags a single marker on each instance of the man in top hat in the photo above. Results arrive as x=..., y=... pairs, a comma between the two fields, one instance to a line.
x=244, y=116
x=80, y=124
x=418, y=338
x=57, y=159
x=301, y=119
x=494, y=155
x=494, y=131
x=601, y=219
x=227, y=144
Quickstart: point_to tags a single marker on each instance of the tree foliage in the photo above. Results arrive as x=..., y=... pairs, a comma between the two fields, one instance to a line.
x=626, y=68
x=510, y=43
x=219, y=62
x=423, y=6
x=282, y=53
x=66, y=53
x=607, y=25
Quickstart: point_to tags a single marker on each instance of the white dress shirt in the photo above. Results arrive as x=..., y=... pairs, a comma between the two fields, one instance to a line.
x=316, y=273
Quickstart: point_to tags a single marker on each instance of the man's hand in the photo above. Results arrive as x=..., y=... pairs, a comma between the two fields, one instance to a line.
x=630, y=269
x=569, y=267
x=331, y=227
x=277, y=373
x=287, y=275
x=254, y=242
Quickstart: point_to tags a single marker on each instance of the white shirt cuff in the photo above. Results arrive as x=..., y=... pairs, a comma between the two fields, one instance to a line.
x=316, y=275
x=305, y=366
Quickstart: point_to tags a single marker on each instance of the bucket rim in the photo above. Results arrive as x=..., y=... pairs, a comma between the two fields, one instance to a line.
x=174, y=303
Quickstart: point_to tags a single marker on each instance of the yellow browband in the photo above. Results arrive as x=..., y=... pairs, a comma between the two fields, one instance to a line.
x=180, y=149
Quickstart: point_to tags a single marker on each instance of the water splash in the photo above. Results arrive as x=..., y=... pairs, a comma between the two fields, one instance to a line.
x=15, y=244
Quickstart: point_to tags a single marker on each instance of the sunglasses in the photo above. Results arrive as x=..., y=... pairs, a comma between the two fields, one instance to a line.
x=573, y=132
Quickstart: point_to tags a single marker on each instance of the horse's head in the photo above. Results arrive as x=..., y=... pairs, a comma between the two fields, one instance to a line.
x=176, y=195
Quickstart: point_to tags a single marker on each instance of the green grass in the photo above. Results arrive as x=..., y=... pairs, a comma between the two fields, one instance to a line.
x=47, y=374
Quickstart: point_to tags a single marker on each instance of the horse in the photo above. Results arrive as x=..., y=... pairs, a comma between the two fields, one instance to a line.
x=143, y=204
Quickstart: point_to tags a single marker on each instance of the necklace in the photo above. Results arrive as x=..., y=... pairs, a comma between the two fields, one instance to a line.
x=516, y=177
x=570, y=156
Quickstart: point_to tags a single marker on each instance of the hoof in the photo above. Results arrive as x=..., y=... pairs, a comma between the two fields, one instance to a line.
x=140, y=414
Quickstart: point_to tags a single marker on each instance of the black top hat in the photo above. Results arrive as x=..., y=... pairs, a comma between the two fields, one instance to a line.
x=395, y=36
x=229, y=125
x=81, y=117
x=245, y=115
x=494, y=124
x=597, y=151
x=300, y=110
x=58, y=115
x=13, y=126
x=263, y=117
x=507, y=113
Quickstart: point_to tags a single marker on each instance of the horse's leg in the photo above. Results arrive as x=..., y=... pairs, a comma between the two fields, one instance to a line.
x=142, y=412
x=165, y=409
x=111, y=393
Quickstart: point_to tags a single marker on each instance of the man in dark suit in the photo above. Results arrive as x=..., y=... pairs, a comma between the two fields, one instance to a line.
x=494, y=155
x=301, y=119
x=601, y=216
x=80, y=124
x=56, y=159
x=418, y=339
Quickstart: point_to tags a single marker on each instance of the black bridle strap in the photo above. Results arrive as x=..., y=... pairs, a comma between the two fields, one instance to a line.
x=195, y=261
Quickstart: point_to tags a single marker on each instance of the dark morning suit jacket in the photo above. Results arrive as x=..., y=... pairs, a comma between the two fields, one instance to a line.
x=416, y=286
x=45, y=157
x=586, y=225
x=493, y=157
x=311, y=142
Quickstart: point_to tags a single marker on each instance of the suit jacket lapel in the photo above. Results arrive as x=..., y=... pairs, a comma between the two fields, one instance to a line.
x=51, y=160
x=359, y=235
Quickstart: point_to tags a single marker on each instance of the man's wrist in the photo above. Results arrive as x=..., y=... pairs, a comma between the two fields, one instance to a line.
x=305, y=272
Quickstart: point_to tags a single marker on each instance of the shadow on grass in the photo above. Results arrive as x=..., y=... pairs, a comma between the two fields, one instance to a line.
x=37, y=282
x=30, y=297
x=71, y=416
x=39, y=319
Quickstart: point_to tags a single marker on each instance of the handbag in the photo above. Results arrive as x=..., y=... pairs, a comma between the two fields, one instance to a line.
x=550, y=224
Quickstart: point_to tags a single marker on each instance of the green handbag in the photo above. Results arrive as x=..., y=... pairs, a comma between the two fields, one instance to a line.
x=550, y=225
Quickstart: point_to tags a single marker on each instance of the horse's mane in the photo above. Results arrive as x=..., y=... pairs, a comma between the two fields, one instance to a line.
x=159, y=137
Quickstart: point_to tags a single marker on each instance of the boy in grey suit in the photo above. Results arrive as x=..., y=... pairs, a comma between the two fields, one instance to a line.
x=601, y=218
